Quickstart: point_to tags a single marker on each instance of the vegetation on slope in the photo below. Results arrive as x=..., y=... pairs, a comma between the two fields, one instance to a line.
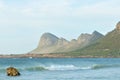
x=109, y=46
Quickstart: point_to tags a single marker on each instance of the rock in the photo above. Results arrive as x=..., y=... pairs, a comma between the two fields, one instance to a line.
x=47, y=40
x=11, y=71
x=73, y=41
x=83, y=38
x=62, y=42
x=118, y=26
x=95, y=36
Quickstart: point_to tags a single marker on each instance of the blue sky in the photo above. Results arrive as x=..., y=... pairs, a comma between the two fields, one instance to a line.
x=22, y=22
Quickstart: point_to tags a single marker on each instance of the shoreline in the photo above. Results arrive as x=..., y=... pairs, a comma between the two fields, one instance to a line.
x=51, y=56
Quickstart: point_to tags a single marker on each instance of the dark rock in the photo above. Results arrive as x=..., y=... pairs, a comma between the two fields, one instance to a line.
x=11, y=71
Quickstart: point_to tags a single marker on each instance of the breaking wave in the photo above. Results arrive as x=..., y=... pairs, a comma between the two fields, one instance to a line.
x=62, y=67
x=51, y=68
x=65, y=67
x=71, y=67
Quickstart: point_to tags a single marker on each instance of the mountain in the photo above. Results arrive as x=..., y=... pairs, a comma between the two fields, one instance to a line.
x=82, y=41
x=95, y=36
x=48, y=40
x=108, y=46
x=50, y=43
x=86, y=39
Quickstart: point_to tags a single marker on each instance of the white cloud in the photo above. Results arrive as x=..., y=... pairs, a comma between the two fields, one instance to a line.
x=45, y=13
x=2, y=5
x=105, y=8
x=42, y=12
x=35, y=13
x=64, y=8
x=47, y=8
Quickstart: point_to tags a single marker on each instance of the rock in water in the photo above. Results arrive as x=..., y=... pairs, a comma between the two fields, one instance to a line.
x=11, y=71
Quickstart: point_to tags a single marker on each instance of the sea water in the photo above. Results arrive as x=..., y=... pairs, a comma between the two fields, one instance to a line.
x=62, y=68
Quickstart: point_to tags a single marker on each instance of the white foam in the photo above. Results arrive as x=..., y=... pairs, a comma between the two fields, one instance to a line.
x=62, y=67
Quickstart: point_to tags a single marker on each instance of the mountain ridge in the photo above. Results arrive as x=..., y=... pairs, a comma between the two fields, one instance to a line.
x=50, y=43
x=109, y=45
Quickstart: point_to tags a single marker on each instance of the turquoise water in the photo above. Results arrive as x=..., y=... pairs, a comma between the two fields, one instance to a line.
x=62, y=68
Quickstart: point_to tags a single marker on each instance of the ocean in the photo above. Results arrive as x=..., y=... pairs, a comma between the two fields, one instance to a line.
x=62, y=68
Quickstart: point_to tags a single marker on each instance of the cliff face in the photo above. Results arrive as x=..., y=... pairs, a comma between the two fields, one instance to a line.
x=50, y=43
x=48, y=40
x=83, y=38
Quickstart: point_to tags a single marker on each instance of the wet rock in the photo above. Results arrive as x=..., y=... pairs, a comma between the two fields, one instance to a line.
x=11, y=71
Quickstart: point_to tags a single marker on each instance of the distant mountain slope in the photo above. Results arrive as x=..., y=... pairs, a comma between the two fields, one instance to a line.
x=50, y=43
x=48, y=40
x=82, y=41
x=107, y=46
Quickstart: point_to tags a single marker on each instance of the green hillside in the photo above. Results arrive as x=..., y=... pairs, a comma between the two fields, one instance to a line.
x=108, y=46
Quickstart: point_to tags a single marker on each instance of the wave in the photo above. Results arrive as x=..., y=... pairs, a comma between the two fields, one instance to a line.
x=70, y=67
x=51, y=68
x=62, y=67
x=65, y=67
x=37, y=68
x=101, y=66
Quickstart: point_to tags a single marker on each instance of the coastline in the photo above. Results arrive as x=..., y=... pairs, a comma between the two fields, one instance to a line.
x=51, y=56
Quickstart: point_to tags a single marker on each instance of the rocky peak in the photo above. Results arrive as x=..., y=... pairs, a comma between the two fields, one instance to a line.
x=96, y=33
x=118, y=26
x=47, y=40
x=62, y=41
x=83, y=38
x=73, y=41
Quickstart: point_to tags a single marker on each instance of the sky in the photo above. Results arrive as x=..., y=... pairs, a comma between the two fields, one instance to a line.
x=22, y=22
